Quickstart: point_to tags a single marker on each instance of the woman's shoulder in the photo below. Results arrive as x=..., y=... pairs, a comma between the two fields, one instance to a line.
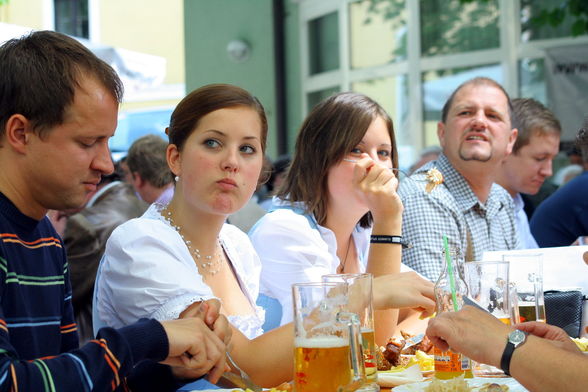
x=149, y=225
x=285, y=218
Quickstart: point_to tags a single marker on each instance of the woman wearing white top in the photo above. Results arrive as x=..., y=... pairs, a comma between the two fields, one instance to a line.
x=164, y=264
x=339, y=190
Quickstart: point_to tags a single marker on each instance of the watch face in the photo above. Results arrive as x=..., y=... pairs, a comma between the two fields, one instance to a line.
x=516, y=337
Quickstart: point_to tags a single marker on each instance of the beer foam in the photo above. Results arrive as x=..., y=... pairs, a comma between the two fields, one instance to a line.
x=321, y=342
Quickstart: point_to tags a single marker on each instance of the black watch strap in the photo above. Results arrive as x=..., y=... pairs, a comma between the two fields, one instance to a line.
x=515, y=339
x=506, y=357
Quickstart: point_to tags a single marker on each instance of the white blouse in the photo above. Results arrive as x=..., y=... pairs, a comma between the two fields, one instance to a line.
x=294, y=248
x=148, y=271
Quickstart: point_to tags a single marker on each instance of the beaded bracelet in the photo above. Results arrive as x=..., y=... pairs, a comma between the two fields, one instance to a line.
x=389, y=239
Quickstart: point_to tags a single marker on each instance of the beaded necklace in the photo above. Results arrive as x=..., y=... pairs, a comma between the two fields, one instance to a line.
x=210, y=264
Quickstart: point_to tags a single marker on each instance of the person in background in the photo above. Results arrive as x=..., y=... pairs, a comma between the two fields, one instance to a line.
x=279, y=171
x=85, y=238
x=530, y=163
x=563, y=217
x=150, y=175
x=427, y=154
x=475, y=214
x=58, y=108
x=339, y=190
x=123, y=168
x=540, y=356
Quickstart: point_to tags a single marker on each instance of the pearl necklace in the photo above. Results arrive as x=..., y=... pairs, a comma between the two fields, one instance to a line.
x=212, y=263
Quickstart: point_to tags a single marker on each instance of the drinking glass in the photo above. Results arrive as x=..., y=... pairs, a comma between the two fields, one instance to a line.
x=360, y=299
x=526, y=272
x=488, y=283
x=327, y=344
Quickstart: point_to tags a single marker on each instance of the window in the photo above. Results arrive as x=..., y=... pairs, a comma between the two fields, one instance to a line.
x=71, y=17
x=451, y=27
x=324, y=43
x=410, y=55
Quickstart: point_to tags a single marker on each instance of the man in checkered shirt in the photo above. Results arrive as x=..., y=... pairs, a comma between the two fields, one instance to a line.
x=474, y=213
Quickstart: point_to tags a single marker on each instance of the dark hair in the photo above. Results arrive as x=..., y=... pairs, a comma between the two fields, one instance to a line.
x=532, y=118
x=147, y=156
x=477, y=81
x=332, y=129
x=279, y=166
x=40, y=73
x=205, y=100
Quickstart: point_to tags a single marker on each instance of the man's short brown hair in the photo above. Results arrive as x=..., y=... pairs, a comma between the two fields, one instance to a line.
x=147, y=156
x=39, y=74
x=531, y=118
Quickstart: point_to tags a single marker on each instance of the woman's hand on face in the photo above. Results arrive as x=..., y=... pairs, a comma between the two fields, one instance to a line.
x=377, y=186
x=404, y=290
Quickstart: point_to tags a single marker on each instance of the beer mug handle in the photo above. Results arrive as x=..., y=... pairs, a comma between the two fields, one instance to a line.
x=356, y=350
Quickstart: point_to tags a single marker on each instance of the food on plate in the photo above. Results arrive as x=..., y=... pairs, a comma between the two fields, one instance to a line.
x=434, y=178
x=457, y=384
x=582, y=343
x=395, y=353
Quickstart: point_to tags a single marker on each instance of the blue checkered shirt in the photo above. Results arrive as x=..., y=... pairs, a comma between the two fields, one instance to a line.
x=452, y=209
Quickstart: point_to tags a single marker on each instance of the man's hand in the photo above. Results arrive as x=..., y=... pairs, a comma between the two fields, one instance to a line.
x=404, y=290
x=193, y=345
x=550, y=332
x=209, y=312
x=472, y=332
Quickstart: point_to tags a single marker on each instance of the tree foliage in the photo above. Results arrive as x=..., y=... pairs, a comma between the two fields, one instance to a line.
x=554, y=16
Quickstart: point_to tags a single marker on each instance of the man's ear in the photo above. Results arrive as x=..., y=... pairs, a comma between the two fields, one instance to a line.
x=511, y=140
x=17, y=132
x=441, y=133
x=138, y=181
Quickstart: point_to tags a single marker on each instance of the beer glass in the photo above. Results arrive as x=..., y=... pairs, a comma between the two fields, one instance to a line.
x=488, y=283
x=360, y=302
x=327, y=344
x=526, y=272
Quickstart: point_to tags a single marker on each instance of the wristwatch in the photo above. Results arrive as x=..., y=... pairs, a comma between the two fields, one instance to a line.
x=515, y=339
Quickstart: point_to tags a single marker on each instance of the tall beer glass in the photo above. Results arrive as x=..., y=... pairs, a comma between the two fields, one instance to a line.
x=361, y=303
x=526, y=272
x=327, y=348
x=488, y=283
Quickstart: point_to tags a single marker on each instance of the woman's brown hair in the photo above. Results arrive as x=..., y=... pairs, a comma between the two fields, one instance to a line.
x=332, y=129
x=205, y=100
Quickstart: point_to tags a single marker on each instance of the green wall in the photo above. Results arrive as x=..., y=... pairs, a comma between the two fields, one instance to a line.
x=211, y=24
x=293, y=78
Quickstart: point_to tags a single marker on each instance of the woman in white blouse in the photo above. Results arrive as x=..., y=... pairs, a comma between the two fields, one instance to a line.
x=165, y=263
x=339, y=190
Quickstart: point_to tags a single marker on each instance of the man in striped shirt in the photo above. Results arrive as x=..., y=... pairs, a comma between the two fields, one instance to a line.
x=58, y=107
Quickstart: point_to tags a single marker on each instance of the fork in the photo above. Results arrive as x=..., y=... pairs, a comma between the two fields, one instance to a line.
x=242, y=381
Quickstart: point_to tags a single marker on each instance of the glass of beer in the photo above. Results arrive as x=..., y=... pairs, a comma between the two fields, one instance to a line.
x=361, y=303
x=488, y=283
x=327, y=344
x=526, y=272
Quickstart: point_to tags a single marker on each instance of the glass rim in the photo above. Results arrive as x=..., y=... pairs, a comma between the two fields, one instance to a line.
x=318, y=284
x=349, y=275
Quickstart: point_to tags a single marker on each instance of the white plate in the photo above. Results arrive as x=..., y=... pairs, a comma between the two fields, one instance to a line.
x=513, y=384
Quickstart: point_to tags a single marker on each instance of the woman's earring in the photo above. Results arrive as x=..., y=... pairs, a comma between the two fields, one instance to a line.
x=177, y=178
